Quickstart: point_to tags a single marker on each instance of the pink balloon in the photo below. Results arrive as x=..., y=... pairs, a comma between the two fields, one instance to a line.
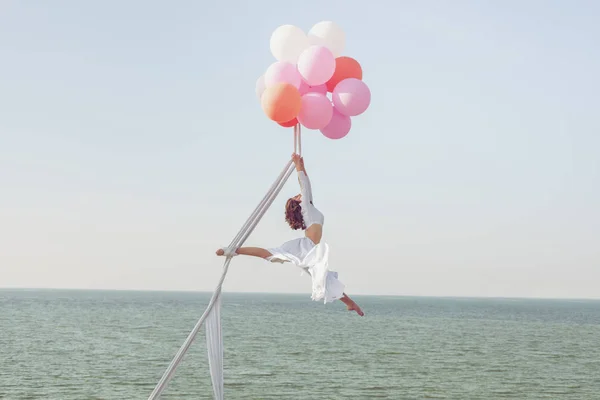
x=316, y=111
x=306, y=88
x=351, y=97
x=338, y=127
x=316, y=64
x=282, y=72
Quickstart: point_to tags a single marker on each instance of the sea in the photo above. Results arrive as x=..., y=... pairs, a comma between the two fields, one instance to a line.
x=84, y=345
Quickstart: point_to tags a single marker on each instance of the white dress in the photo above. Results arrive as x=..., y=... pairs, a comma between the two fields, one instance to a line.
x=312, y=258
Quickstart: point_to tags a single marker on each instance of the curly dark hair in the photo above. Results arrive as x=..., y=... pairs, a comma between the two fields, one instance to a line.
x=293, y=214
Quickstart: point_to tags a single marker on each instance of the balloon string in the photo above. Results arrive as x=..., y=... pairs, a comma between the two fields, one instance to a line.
x=297, y=140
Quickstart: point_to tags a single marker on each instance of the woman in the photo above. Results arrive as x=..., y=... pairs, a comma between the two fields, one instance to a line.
x=308, y=252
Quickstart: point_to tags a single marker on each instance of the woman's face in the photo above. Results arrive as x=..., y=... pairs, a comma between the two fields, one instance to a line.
x=298, y=197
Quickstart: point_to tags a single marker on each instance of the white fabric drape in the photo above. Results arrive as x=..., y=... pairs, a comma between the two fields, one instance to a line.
x=212, y=313
x=214, y=344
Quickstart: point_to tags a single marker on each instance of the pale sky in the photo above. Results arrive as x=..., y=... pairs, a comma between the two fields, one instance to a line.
x=132, y=146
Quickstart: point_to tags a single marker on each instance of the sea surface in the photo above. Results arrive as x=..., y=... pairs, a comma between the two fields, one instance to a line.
x=80, y=345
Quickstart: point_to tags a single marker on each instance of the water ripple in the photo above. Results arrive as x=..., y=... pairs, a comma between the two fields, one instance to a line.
x=74, y=345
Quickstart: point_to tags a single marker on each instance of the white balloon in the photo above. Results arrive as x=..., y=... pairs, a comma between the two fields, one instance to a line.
x=287, y=42
x=260, y=86
x=330, y=35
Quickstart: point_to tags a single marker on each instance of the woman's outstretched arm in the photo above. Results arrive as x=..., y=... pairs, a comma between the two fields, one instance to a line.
x=299, y=162
x=305, y=187
x=249, y=251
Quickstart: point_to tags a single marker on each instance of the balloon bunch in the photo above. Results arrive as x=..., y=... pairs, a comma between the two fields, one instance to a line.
x=311, y=83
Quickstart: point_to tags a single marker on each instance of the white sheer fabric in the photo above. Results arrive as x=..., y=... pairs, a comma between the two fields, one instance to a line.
x=214, y=344
x=313, y=259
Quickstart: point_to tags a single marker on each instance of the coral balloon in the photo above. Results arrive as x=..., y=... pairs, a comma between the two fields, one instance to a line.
x=306, y=88
x=345, y=67
x=351, y=97
x=282, y=72
x=288, y=42
x=316, y=65
x=289, y=124
x=260, y=86
x=330, y=35
x=338, y=127
x=281, y=102
x=316, y=111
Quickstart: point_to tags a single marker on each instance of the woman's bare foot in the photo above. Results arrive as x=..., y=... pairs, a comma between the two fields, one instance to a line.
x=355, y=307
x=351, y=305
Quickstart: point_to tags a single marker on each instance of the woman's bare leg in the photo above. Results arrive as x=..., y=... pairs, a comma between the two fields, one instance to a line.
x=249, y=251
x=351, y=305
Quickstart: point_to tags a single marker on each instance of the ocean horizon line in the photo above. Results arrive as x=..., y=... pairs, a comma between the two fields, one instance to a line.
x=407, y=296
